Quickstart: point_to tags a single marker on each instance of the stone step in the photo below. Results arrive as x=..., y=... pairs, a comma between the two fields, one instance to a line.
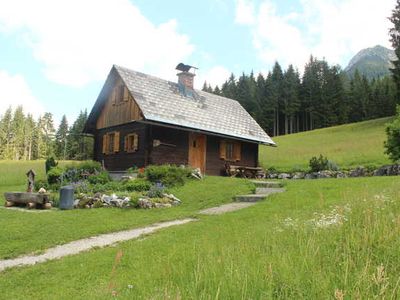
x=267, y=184
x=249, y=198
x=268, y=191
x=261, y=193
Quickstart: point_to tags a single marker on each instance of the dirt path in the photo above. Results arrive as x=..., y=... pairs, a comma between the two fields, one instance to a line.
x=78, y=246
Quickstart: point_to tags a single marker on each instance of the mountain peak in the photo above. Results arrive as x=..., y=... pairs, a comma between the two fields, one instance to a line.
x=372, y=62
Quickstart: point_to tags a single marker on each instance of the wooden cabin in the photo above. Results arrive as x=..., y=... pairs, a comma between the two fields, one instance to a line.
x=140, y=120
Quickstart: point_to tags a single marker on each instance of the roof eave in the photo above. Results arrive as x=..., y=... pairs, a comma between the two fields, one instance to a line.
x=163, y=124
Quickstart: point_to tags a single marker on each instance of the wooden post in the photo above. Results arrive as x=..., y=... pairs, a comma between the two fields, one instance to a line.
x=31, y=181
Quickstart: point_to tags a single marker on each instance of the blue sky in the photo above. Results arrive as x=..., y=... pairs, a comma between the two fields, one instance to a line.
x=55, y=55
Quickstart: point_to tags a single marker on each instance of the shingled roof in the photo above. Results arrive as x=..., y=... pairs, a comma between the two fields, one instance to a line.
x=166, y=102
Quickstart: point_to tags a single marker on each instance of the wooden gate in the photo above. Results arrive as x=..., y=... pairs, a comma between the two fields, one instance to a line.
x=197, y=151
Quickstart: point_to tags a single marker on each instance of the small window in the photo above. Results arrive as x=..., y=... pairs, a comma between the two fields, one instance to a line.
x=131, y=142
x=111, y=142
x=230, y=150
x=120, y=94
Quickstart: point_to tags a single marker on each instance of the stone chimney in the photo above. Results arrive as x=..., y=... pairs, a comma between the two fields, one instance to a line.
x=185, y=77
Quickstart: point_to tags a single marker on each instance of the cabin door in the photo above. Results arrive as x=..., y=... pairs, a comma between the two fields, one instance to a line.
x=197, y=151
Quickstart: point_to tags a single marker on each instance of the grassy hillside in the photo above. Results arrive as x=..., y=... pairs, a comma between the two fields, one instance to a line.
x=349, y=146
x=319, y=239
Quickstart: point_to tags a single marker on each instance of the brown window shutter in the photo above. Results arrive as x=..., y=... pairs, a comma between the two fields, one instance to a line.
x=222, y=149
x=237, y=149
x=116, y=141
x=125, y=93
x=104, y=143
x=126, y=143
x=135, y=142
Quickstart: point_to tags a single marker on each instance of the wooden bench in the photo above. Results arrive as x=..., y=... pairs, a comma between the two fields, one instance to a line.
x=244, y=172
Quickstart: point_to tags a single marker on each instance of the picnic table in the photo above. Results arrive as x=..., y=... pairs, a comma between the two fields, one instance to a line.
x=244, y=172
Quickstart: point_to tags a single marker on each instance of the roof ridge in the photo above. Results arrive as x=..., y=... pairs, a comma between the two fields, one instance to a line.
x=173, y=82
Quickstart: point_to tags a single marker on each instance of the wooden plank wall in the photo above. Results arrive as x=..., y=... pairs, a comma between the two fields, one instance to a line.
x=216, y=166
x=123, y=160
x=164, y=154
x=116, y=113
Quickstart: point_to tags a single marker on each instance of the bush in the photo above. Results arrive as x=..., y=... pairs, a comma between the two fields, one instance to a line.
x=100, y=178
x=168, y=175
x=322, y=163
x=89, y=166
x=392, y=144
x=82, y=187
x=77, y=171
x=137, y=185
x=41, y=184
x=54, y=175
x=332, y=166
x=156, y=191
x=55, y=199
x=50, y=163
x=112, y=186
x=132, y=170
x=71, y=174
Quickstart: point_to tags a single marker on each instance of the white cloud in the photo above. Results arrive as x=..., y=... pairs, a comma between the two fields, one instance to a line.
x=244, y=12
x=14, y=91
x=330, y=29
x=78, y=41
x=214, y=76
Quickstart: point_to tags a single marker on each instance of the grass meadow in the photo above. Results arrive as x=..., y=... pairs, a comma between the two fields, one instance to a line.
x=349, y=146
x=33, y=232
x=321, y=239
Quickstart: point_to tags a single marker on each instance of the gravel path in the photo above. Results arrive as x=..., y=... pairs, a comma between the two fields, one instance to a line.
x=226, y=208
x=78, y=246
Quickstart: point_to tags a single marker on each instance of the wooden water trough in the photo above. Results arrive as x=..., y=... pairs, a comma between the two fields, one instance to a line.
x=31, y=200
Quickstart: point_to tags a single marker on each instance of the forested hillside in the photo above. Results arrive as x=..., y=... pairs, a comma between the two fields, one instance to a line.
x=24, y=138
x=284, y=102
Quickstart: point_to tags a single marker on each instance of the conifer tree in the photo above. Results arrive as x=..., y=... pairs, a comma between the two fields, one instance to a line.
x=18, y=139
x=394, y=33
x=61, y=145
x=29, y=131
x=81, y=146
x=290, y=97
x=276, y=96
x=6, y=135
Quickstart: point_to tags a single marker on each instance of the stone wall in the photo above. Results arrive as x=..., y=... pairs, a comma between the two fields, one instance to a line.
x=389, y=170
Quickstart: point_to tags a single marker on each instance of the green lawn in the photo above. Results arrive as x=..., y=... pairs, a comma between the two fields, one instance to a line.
x=281, y=248
x=25, y=232
x=352, y=145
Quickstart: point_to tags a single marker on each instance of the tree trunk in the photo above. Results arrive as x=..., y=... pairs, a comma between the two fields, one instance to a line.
x=286, y=124
x=30, y=150
x=277, y=122
x=274, y=126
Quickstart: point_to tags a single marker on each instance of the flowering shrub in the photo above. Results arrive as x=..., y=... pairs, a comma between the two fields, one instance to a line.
x=168, y=175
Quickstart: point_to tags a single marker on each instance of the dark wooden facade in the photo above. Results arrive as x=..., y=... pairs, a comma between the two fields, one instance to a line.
x=173, y=149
